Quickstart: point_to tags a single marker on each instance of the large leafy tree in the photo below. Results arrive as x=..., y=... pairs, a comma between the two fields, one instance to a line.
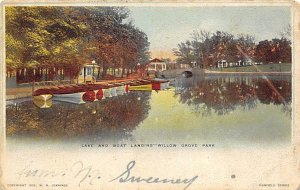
x=68, y=37
x=185, y=53
x=42, y=36
x=277, y=50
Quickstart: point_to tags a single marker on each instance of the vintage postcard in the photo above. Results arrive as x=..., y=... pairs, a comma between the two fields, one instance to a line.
x=150, y=95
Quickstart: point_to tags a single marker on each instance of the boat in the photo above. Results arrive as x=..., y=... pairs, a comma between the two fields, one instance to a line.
x=99, y=94
x=106, y=93
x=77, y=98
x=42, y=103
x=113, y=90
x=160, y=84
x=43, y=97
x=122, y=88
x=102, y=91
x=143, y=87
x=90, y=92
x=149, y=85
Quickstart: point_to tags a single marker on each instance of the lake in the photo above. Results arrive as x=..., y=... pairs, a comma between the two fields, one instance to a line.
x=225, y=111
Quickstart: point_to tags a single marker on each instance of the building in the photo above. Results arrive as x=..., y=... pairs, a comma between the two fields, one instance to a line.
x=157, y=65
x=87, y=73
x=224, y=63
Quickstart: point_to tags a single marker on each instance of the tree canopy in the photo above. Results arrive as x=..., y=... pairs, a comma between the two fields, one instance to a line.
x=72, y=36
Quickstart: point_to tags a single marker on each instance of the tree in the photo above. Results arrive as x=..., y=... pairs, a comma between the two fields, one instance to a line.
x=116, y=44
x=68, y=37
x=277, y=50
x=43, y=37
x=185, y=53
x=286, y=33
x=246, y=46
x=263, y=50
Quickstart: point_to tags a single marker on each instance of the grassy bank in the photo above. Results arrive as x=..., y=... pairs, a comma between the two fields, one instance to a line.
x=283, y=67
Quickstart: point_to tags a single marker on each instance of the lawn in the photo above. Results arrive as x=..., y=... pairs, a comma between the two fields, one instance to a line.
x=283, y=67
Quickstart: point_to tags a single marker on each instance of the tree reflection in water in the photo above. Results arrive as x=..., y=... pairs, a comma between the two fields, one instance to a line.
x=112, y=118
x=223, y=95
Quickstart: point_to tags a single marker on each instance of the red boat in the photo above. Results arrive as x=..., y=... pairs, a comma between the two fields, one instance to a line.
x=81, y=93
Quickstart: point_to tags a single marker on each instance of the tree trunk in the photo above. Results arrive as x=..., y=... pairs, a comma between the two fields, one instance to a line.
x=114, y=70
x=56, y=73
x=60, y=72
x=63, y=73
x=17, y=75
x=98, y=74
x=22, y=75
x=47, y=74
x=122, y=71
x=104, y=72
x=51, y=74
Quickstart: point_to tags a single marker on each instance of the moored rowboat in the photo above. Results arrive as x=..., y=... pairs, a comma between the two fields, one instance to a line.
x=77, y=98
x=41, y=103
x=43, y=97
x=144, y=87
x=82, y=93
x=157, y=84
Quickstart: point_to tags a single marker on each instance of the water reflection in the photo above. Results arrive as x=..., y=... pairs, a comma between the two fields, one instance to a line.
x=112, y=118
x=252, y=109
x=224, y=94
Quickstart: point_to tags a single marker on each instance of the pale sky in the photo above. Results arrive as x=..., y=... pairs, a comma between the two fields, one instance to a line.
x=168, y=26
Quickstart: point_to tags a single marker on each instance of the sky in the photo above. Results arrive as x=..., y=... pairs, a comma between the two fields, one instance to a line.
x=168, y=26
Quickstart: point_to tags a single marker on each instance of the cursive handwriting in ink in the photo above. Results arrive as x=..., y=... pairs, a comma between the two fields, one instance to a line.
x=77, y=171
x=127, y=177
x=30, y=171
x=84, y=173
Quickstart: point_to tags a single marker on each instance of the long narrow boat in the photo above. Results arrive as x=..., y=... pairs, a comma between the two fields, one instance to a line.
x=78, y=95
x=102, y=91
x=143, y=87
x=85, y=93
x=43, y=97
x=149, y=85
x=76, y=98
x=113, y=90
x=160, y=84
x=120, y=88
x=41, y=103
x=81, y=93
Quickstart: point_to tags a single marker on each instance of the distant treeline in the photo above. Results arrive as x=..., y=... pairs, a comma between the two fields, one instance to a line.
x=55, y=40
x=205, y=49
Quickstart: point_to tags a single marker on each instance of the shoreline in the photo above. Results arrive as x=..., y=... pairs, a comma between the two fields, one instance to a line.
x=26, y=92
x=208, y=72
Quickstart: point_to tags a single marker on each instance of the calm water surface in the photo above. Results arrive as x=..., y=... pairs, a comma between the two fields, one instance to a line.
x=220, y=110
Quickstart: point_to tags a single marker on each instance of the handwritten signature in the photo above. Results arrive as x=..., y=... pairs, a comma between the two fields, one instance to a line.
x=86, y=174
